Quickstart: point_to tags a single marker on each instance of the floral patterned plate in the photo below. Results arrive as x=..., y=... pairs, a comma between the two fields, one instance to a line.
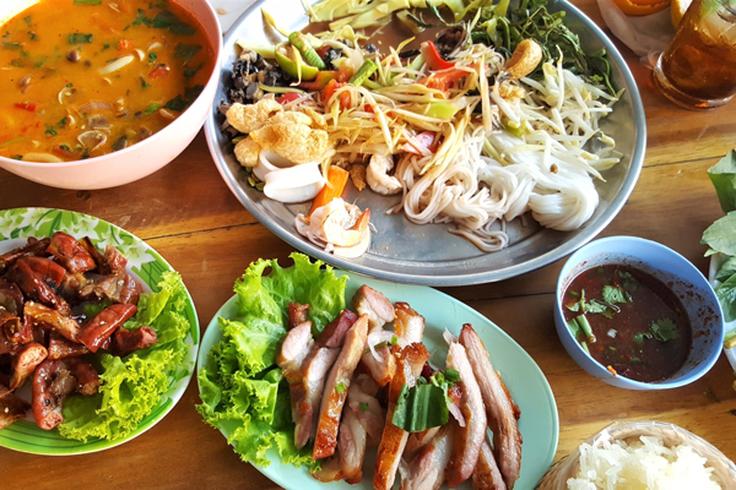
x=16, y=225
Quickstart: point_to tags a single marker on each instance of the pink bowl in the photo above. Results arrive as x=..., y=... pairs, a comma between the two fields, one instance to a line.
x=143, y=158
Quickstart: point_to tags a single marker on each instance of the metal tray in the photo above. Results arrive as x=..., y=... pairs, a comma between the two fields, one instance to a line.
x=427, y=254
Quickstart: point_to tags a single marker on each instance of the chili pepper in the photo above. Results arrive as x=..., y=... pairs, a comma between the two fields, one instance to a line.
x=287, y=97
x=434, y=58
x=26, y=106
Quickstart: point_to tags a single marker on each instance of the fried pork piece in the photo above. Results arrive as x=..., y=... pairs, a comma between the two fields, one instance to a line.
x=393, y=440
x=314, y=375
x=298, y=143
x=60, y=348
x=100, y=328
x=25, y=362
x=14, y=332
x=468, y=439
x=126, y=341
x=297, y=313
x=71, y=253
x=86, y=377
x=486, y=475
x=418, y=440
x=334, y=332
x=374, y=305
x=329, y=470
x=34, y=285
x=409, y=325
x=12, y=408
x=379, y=311
x=362, y=423
x=247, y=152
x=33, y=247
x=336, y=389
x=119, y=287
x=11, y=298
x=502, y=413
x=43, y=316
x=52, y=382
x=427, y=470
x=249, y=117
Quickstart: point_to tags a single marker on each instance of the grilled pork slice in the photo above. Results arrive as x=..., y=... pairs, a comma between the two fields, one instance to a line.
x=470, y=437
x=418, y=440
x=374, y=305
x=486, y=475
x=409, y=325
x=336, y=389
x=361, y=425
x=297, y=313
x=427, y=469
x=393, y=440
x=329, y=471
x=295, y=349
x=314, y=372
x=502, y=413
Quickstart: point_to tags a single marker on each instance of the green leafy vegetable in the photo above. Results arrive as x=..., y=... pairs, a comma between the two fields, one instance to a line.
x=421, y=407
x=530, y=19
x=727, y=269
x=151, y=108
x=133, y=386
x=726, y=292
x=87, y=2
x=723, y=177
x=165, y=19
x=662, y=330
x=721, y=236
x=241, y=389
x=615, y=295
x=79, y=38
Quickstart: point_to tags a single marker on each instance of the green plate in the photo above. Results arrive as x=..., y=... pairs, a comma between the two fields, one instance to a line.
x=16, y=225
x=539, y=422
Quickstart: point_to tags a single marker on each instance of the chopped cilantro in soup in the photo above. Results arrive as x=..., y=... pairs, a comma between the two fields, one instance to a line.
x=629, y=321
x=82, y=78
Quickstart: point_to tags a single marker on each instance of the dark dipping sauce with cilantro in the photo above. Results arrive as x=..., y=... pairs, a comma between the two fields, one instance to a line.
x=629, y=321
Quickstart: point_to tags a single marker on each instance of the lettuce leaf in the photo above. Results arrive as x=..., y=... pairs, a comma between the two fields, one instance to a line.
x=723, y=177
x=243, y=392
x=720, y=237
x=133, y=386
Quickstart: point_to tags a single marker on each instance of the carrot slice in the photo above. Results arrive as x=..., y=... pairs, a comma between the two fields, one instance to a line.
x=337, y=178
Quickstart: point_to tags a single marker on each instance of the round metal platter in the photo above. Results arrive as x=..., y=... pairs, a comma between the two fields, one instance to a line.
x=428, y=254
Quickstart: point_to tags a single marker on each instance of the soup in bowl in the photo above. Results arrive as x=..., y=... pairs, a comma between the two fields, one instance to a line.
x=99, y=93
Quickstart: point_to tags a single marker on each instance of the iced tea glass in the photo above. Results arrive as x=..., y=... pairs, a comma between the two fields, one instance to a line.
x=698, y=70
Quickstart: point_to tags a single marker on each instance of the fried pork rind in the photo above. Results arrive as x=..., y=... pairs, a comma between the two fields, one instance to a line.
x=247, y=151
x=297, y=143
x=289, y=117
x=250, y=117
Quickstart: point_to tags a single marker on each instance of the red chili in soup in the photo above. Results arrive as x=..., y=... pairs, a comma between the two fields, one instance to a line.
x=629, y=321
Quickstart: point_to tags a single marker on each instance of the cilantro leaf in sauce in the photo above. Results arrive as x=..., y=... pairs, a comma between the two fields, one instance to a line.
x=79, y=38
x=615, y=295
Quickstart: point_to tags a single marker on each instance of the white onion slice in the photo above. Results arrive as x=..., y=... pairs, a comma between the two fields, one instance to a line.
x=117, y=64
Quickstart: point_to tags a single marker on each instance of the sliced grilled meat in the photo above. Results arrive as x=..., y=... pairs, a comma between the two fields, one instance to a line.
x=468, y=439
x=43, y=316
x=297, y=313
x=427, y=469
x=25, y=362
x=126, y=341
x=502, y=413
x=69, y=252
x=336, y=389
x=486, y=475
x=393, y=439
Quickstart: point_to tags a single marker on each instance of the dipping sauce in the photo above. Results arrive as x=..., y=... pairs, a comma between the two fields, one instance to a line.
x=629, y=321
x=81, y=78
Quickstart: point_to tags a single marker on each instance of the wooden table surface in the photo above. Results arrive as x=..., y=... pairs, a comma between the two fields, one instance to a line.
x=187, y=213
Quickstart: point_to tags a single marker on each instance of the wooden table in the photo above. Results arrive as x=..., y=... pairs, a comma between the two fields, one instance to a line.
x=186, y=213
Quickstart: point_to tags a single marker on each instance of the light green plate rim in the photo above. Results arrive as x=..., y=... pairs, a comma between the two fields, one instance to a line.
x=539, y=421
x=20, y=223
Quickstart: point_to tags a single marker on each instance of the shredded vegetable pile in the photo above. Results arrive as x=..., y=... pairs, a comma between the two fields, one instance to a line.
x=474, y=129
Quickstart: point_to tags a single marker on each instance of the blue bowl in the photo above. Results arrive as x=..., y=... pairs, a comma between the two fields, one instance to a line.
x=687, y=282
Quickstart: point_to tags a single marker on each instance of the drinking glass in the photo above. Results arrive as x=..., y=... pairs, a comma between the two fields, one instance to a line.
x=698, y=70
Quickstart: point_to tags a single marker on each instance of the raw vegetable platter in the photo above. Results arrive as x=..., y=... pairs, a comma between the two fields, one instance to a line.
x=244, y=426
x=156, y=379
x=428, y=254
